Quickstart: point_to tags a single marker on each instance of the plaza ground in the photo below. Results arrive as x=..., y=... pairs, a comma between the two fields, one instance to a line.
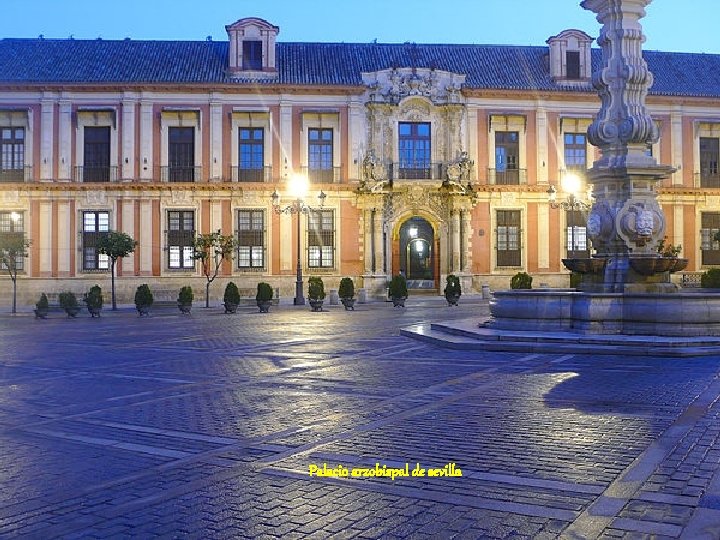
x=205, y=427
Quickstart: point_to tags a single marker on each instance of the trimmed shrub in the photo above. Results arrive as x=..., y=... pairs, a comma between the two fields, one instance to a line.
x=398, y=287
x=94, y=298
x=43, y=302
x=264, y=292
x=232, y=294
x=316, y=288
x=347, y=288
x=452, y=286
x=186, y=295
x=710, y=279
x=143, y=296
x=521, y=280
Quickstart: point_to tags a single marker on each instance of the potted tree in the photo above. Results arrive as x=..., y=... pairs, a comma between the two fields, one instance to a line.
x=346, y=292
x=264, y=296
x=231, y=299
x=143, y=299
x=398, y=290
x=452, y=290
x=185, y=299
x=42, y=307
x=69, y=303
x=94, y=300
x=316, y=293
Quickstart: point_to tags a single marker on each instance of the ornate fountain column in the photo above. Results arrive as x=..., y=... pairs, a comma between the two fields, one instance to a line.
x=626, y=222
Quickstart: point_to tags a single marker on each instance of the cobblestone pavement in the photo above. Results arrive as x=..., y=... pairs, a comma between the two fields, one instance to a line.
x=206, y=426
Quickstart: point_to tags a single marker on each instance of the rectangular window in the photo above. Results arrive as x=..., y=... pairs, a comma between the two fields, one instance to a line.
x=180, y=238
x=96, y=163
x=415, y=150
x=12, y=154
x=94, y=226
x=572, y=63
x=575, y=152
x=251, y=155
x=320, y=155
x=710, y=248
x=12, y=224
x=181, y=154
x=251, y=239
x=507, y=152
x=508, y=238
x=252, y=55
x=576, y=235
x=321, y=239
x=709, y=155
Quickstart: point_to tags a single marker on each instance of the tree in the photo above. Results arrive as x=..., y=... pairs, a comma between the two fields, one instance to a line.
x=13, y=248
x=115, y=245
x=211, y=250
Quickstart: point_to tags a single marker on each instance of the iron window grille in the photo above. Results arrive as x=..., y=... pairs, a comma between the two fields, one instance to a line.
x=709, y=247
x=321, y=239
x=508, y=238
x=181, y=154
x=95, y=225
x=577, y=246
x=96, y=161
x=10, y=228
x=251, y=239
x=180, y=239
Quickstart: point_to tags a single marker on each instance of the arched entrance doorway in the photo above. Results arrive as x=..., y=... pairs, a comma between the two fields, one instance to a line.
x=418, y=253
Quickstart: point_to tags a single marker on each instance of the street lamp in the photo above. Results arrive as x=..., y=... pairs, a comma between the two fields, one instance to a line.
x=571, y=185
x=297, y=189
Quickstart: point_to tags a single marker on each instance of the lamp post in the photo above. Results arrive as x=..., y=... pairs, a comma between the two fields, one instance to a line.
x=570, y=184
x=297, y=188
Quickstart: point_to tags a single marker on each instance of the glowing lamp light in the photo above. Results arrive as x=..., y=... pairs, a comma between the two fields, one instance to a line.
x=419, y=246
x=571, y=183
x=298, y=186
x=412, y=232
x=14, y=217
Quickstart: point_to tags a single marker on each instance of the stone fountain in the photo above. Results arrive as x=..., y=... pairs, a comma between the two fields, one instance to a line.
x=626, y=286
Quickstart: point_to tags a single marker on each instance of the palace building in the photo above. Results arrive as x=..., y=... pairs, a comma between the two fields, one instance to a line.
x=433, y=159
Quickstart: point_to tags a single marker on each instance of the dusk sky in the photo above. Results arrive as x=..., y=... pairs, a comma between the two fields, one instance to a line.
x=670, y=25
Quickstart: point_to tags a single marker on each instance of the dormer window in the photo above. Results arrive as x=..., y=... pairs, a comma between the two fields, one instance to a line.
x=572, y=63
x=252, y=48
x=570, y=57
x=252, y=55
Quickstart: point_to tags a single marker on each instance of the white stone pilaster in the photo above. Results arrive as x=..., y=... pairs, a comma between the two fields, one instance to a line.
x=466, y=241
x=216, y=143
x=455, y=235
x=286, y=137
x=46, y=142
x=45, y=235
x=215, y=216
x=676, y=143
x=145, y=237
x=146, y=140
x=542, y=144
x=128, y=227
x=64, y=139
x=379, y=259
x=128, y=143
x=543, y=235
x=287, y=222
x=63, y=238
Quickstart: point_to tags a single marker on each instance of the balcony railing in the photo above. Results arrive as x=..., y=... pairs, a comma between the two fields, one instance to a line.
x=20, y=174
x=417, y=171
x=244, y=174
x=96, y=174
x=707, y=179
x=322, y=176
x=171, y=173
x=507, y=177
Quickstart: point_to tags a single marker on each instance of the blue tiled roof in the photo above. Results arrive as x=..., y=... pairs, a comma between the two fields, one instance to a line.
x=487, y=66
